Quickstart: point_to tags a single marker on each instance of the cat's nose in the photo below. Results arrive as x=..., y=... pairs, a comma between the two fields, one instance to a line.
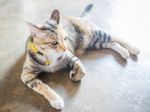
x=63, y=48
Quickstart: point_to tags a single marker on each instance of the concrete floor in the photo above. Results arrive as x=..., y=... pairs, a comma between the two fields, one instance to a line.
x=111, y=84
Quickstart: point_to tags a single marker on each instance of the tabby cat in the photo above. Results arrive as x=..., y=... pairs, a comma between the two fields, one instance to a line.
x=53, y=46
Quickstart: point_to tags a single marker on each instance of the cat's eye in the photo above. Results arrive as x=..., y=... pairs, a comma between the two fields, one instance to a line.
x=54, y=43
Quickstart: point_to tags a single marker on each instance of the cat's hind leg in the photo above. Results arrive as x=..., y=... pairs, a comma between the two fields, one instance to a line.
x=30, y=79
x=117, y=48
x=132, y=50
x=103, y=40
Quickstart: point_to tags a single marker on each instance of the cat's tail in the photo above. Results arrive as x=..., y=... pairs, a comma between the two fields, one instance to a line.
x=87, y=10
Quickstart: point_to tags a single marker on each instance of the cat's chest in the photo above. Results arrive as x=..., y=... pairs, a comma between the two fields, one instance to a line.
x=61, y=62
x=55, y=64
x=53, y=67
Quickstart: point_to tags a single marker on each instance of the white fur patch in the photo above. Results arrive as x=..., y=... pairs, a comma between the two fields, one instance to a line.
x=134, y=51
x=58, y=103
x=118, y=48
x=52, y=55
x=122, y=51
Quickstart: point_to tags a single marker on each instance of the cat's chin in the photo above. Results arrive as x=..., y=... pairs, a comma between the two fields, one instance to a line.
x=53, y=55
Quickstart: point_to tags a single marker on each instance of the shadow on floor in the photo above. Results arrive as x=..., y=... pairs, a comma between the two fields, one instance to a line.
x=15, y=96
x=104, y=53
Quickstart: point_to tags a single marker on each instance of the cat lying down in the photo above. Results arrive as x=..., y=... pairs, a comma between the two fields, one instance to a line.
x=54, y=45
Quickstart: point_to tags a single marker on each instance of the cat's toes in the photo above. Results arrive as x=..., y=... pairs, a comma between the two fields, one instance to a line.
x=72, y=76
x=76, y=76
x=134, y=51
x=58, y=103
x=125, y=55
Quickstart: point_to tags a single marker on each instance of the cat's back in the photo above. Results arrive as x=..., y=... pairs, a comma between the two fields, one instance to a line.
x=83, y=30
x=84, y=24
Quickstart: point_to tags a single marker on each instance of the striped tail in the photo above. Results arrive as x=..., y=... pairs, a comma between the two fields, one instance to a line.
x=87, y=10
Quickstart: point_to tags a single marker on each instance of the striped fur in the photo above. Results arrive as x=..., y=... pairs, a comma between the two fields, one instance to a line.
x=60, y=42
x=87, y=10
x=99, y=37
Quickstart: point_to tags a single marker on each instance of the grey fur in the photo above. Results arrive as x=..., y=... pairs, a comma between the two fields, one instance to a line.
x=87, y=9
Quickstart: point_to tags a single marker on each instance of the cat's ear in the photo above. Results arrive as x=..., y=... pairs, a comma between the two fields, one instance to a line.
x=33, y=29
x=55, y=16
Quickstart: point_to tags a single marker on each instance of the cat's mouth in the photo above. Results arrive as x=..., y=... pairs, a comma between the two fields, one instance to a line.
x=60, y=57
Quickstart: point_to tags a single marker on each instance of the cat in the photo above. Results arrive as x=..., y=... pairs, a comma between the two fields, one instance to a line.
x=54, y=44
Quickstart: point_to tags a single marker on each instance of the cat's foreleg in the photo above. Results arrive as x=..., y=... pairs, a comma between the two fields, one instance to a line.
x=77, y=69
x=30, y=79
x=118, y=48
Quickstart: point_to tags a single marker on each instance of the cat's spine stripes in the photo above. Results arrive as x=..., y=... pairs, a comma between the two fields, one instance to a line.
x=99, y=37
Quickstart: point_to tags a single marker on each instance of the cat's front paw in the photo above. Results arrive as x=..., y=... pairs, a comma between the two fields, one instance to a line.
x=57, y=103
x=78, y=73
x=76, y=76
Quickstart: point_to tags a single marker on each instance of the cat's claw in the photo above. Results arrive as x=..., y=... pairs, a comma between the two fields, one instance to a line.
x=58, y=103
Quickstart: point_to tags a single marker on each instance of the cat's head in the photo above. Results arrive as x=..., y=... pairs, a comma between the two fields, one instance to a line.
x=50, y=36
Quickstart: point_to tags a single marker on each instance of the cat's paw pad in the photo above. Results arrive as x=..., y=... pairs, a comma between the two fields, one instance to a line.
x=57, y=103
x=77, y=76
x=125, y=55
x=134, y=51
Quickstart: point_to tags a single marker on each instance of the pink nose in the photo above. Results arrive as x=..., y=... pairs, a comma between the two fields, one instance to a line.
x=63, y=48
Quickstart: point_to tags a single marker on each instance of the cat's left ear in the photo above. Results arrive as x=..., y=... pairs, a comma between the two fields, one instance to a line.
x=33, y=29
x=55, y=16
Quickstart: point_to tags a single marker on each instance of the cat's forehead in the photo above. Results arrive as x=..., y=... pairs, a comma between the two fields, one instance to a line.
x=45, y=36
x=51, y=35
x=48, y=32
x=49, y=25
x=52, y=30
x=58, y=33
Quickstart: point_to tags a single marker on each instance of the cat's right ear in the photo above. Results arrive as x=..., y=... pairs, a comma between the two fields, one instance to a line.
x=33, y=29
x=55, y=16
